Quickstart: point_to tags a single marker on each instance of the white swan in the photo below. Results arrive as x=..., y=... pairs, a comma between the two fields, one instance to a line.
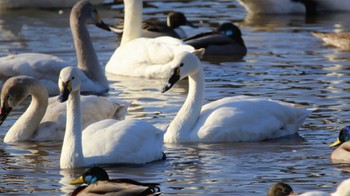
x=143, y=57
x=239, y=118
x=105, y=142
x=45, y=119
x=46, y=67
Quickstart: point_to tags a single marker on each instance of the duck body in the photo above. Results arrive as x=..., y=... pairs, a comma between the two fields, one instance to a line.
x=230, y=119
x=105, y=142
x=152, y=28
x=45, y=118
x=226, y=40
x=98, y=182
x=46, y=68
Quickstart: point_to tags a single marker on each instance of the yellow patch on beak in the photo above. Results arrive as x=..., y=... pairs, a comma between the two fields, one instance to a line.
x=80, y=180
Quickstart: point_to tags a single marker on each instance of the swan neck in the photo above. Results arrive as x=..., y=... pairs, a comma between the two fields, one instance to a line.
x=85, y=52
x=132, y=20
x=72, y=149
x=182, y=125
x=28, y=123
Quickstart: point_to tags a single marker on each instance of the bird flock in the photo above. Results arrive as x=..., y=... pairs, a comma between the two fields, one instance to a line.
x=69, y=103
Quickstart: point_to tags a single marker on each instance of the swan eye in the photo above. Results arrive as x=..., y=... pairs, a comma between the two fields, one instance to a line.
x=73, y=78
x=181, y=65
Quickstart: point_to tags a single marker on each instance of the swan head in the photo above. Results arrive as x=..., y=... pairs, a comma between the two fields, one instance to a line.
x=69, y=81
x=91, y=176
x=344, y=135
x=14, y=91
x=87, y=13
x=184, y=64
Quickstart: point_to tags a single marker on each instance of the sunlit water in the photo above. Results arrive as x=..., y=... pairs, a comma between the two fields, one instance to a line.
x=284, y=62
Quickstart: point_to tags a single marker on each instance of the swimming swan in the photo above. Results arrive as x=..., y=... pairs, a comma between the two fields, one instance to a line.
x=98, y=182
x=46, y=67
x=45, y=119
x=143, y=57
x=240, y=118
x=104, y=142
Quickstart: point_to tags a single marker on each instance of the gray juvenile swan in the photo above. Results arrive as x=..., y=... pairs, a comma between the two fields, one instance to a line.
x=45, y=118
x=46, y=68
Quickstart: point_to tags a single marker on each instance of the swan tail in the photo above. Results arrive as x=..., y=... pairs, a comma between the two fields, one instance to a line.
x=199, y=52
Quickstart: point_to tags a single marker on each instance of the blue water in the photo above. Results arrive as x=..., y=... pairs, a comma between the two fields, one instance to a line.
x=284, y=62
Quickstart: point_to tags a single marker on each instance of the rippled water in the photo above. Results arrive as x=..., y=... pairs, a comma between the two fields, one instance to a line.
x=284, y=62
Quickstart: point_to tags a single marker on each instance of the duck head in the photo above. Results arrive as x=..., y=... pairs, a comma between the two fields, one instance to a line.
x=344, y=135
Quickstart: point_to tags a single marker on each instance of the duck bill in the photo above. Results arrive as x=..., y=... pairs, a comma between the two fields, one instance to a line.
x=79, y=180
x=172, y=80
x=335, y=144
x=4, y=112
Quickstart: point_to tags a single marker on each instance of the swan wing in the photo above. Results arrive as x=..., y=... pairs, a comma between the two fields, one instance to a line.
x=127, y=141
x=94, y=108
x=145, y=57
x=247, y=119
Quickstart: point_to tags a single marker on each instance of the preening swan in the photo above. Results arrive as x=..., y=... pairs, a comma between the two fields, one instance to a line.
x=239, y=118
x=46, y=68
x=143, y=57
x=104, y=142
x=45, y=118
x=98, y=182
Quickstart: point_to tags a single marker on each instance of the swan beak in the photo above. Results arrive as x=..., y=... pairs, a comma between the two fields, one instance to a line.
x=65, y=89
x=80, y=180
x=335, y=144
x=4, y=112
x=101, y=24
x=172, y=80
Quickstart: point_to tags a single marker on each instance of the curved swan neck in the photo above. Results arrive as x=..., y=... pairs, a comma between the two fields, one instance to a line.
x=132, y=20
x=27, y=124
x=86, y=55
x=72, y=149
x=183, y=123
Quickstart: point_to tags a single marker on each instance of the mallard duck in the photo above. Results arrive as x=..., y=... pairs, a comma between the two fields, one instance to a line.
x=46, y=68
x=342, y=152
x=280, y=189
x=230, y=119
x=154, y=28
x=225, y=40
x=98, y=182
x=339, y=40
x=143, y=57
x=104, y=142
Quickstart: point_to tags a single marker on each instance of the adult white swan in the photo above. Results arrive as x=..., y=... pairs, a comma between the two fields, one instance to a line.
x=104, y=142
x=46, y=68
x=240, y=118
x=45, y=118
x=143, y=57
